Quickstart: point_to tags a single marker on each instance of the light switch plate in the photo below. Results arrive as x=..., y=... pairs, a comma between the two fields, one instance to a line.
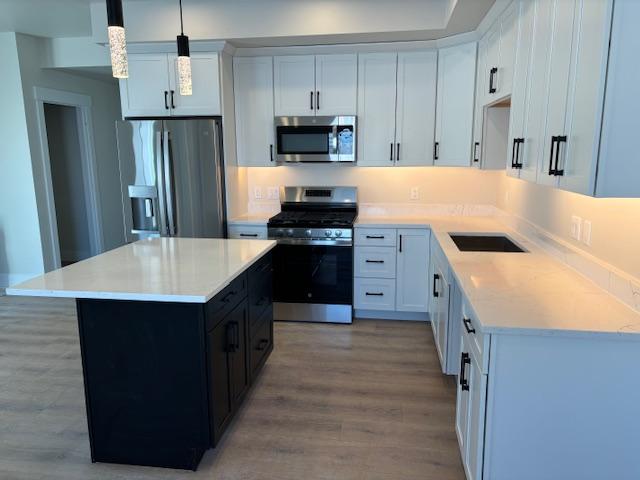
x=586, y=232
x=576, y=227
x=415, y=193
x=257, y=193
x=272, y=193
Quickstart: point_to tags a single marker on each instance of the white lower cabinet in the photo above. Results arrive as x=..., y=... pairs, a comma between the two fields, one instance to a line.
x=391, y=270
x=247, y=232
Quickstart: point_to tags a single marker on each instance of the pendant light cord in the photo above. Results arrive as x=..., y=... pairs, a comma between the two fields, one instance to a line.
x=181, y=23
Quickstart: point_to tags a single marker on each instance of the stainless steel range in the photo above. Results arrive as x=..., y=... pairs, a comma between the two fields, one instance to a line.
x=313, y=263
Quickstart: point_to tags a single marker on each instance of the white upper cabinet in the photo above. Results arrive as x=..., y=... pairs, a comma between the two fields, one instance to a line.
x=253, y=90
x=152, y=88
x=205, y=78
x=315, y=85
x=492, y=65
x=416, y=108
x=455, y=105
x=412, y=267
x=146, y=92
x=508, y=41
x=336, y=84
x=376, y=109
x=294, y=83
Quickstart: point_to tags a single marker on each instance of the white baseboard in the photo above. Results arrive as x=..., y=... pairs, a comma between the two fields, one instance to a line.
x=8, y=279
x=386, y=315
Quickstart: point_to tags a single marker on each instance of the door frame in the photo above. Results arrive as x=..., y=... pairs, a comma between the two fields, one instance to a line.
x=82, y=105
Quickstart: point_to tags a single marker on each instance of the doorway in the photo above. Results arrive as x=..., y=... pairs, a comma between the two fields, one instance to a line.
x=72, y=230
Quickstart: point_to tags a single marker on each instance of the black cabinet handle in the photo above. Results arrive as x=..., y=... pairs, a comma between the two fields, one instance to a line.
x=173, y=105
x=249, y=235
x=166, y=104
x=513, y=153
x=228, y=296
x=552, y=171
x=397, y=152
x=492, y=87
x=468, y=326
x=436, y=150
x=318, y=100
x=475, y=152
x=271, y=151
x=436, y=277
x=374, y=261
x=465, y=360
x=376, y=237
x=379, y=294
x=230, y=332
x=519, y=141
x=311, y=100
x=262, y=344
x=559, y=139
x=400, y=249
x=391, y=152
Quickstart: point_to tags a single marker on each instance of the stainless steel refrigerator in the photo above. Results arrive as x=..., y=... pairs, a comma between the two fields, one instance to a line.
x=172, y=178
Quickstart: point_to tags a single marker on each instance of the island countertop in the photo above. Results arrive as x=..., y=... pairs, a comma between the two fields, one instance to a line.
x=186, y=270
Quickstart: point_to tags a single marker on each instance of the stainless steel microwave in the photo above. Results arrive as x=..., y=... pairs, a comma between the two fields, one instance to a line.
x=315, y=139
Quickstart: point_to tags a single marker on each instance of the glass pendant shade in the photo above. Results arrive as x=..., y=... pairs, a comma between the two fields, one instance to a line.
x=184, y=66
x=118, y=47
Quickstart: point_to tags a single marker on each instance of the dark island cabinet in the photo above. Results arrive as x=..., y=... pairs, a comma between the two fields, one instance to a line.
x=163, y=380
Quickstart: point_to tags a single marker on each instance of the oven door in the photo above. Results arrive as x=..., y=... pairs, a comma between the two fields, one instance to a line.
x=314, y=274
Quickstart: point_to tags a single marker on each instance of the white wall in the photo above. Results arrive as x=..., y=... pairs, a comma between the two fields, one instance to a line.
x=20, y=252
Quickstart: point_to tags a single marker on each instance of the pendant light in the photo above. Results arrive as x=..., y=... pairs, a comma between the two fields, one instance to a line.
x=117, y=42
x=184, y=61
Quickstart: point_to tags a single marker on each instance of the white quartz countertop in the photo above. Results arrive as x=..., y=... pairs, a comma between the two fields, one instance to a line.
x=190, y=270
x=251, y=219
x=528, y=292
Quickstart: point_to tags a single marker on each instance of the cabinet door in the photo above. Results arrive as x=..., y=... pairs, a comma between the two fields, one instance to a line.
x=508, y=40
x=493, y=81
x=434, y=307
x=218, y=364
x=144, y=93
x=336, y=84
x=478, y=114
x=476, y=415
x=412, y=277
x=442, y=317
x=205, y=99
x=462, y=402
x=253, y=91
x=238, y=372
x=537, y=92
x=519, y=105
x=376, y=108
x=454, y=118
x=294, y=85
x=416, y=108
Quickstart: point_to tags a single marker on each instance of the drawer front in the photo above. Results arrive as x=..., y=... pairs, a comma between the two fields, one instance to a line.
x=247, y=233
x=374, y=294
x=260, y=294
x=376, y=262
x=375, y=237
x=261, y=341
x=478, y=341
x=225, y=301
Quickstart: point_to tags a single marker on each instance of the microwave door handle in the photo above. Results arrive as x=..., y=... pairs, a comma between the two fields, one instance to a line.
x=334, y=141
x=162, y=201
x=168, y=184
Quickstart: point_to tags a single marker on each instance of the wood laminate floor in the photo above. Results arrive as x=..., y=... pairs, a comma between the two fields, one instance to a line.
x=362, y=402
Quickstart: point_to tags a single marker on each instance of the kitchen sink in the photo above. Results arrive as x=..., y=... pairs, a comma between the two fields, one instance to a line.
x=485, y=243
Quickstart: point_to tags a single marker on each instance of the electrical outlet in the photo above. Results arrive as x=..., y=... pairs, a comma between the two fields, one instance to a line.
x=415, y=193
x=586, y=232
x=257, y=193
x=272, y=193
x=576, y=227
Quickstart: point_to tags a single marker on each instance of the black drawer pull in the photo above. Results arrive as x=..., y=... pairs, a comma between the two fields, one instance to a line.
x=436, y=150
x=492, y=87
x=232, y=337
x=468, y=326
x=166, y=105
x=248, y=234
x=262, y=344
x=475, y=152
x=173, y=105
x=376, y=237
x=228, y=296
x=378, y=294
x=436, y=277
x=465, y=360
x=374, y=261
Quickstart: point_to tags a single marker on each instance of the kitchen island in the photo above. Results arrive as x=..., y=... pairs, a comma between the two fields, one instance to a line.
x=173, y=333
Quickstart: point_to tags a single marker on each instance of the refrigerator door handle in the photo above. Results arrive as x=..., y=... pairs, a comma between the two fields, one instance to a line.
x=162, y=201
x=168, y=183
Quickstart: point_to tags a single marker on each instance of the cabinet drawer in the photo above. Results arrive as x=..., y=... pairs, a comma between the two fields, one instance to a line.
x=478, y=341
x=261, y=341
x=375, y=237
x=374, y=294
x=247, y=232
x=378, y=262
x=260, y=294
x=225, y=301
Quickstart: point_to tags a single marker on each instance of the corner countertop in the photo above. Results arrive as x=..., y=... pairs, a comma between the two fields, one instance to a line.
x=522, y=293
x=187, y=270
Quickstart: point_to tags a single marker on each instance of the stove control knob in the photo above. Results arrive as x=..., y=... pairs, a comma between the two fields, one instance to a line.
x=308, y=233
x=338, y=233
x=327, y=233
x=290, y=232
